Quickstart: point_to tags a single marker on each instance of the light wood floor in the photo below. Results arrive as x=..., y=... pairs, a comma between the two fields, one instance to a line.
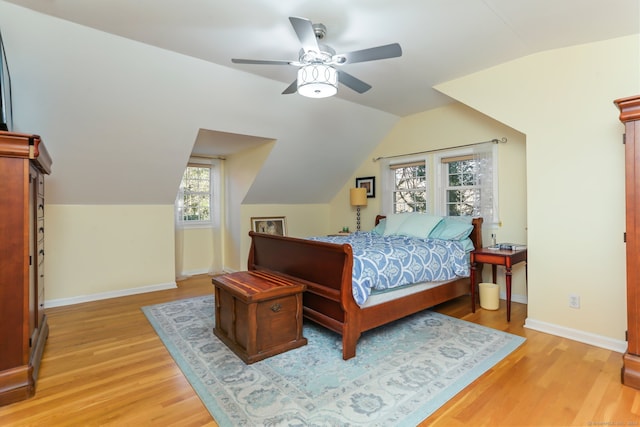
x=104, y=365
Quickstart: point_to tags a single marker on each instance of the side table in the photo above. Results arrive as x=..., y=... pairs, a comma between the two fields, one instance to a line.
x=506, y=258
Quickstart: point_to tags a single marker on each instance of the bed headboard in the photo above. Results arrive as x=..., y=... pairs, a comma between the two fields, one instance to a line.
x=475, y=236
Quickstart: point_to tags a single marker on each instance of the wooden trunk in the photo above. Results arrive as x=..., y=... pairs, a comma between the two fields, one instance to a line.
x=258, y=314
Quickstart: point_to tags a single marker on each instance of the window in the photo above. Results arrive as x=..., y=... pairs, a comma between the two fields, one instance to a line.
x=193, y=204
x=452, y=182
x=467, y=182
x=409, y=187
x=462, y=194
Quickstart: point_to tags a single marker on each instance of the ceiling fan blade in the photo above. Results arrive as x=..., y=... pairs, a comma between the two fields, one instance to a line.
x=292, y=88
x=260, y=61
x=372, y=54
x=307, y=36
x=353, y=82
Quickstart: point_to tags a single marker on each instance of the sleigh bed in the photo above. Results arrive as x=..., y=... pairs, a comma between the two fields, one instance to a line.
x=326, y=270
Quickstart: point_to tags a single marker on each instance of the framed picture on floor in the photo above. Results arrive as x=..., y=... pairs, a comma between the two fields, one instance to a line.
x=269, y=225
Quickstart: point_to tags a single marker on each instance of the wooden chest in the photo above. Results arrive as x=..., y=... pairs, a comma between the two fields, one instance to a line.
x=258, y=314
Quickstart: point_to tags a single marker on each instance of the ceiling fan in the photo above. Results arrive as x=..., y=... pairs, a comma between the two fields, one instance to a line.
x=318, y=75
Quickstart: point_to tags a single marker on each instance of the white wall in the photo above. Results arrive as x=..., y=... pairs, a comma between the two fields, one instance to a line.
x=563, y=101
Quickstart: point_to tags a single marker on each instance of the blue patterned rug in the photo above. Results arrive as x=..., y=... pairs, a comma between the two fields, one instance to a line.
x=402, y=373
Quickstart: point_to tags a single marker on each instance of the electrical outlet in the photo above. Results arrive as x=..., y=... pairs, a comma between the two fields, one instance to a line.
x=574, y=301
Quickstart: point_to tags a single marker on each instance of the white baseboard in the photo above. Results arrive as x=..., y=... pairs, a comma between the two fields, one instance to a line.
x=522, y=299
x=106, y=295
x=195, y=272
x=577, y=335
x=191, y=273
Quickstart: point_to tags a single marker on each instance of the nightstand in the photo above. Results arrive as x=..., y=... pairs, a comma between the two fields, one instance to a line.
x=506, y=258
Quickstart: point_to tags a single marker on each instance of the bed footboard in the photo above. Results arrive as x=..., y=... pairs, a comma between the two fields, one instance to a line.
x=326, y=270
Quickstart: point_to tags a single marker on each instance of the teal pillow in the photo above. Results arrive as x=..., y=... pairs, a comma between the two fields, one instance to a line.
x=393, y=223
x=467, y=244
x=411, y=224
x=419, y=225
x=452, y=228
x=379, y=229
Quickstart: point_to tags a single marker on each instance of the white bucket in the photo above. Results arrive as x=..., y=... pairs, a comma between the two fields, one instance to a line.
x=489, y=296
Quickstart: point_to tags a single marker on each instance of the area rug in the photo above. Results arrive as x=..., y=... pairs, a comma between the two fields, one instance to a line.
x=401, y=374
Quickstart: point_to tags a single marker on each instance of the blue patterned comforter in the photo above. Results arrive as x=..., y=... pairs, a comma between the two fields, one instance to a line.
x=387, y=262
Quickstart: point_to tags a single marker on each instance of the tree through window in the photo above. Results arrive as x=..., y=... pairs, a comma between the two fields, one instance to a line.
x=462, y=192
x=194, y=197
x=410, y=187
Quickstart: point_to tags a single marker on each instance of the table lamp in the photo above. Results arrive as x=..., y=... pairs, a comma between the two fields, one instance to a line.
x=358, y=197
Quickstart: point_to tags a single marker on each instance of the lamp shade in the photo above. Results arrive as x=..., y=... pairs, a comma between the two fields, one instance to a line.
x=317, y=81
x=358, y=196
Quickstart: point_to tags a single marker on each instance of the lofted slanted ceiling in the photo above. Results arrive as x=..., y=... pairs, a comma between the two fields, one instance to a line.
x=132, y=96
x=441, y=39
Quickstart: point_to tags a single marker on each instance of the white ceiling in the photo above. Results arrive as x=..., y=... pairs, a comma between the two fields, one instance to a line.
x=441, y=39
x=102, y=80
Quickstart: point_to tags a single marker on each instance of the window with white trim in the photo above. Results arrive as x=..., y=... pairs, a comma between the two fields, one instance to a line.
x=409, y=187
x=461, y=192
x=194, y=201
x=450, y=182
x=467, y=182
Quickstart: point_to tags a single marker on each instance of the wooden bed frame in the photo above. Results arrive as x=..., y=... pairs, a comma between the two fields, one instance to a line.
x=326, y=269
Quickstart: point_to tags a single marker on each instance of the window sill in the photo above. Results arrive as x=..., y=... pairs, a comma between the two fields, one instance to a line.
x=189, y=226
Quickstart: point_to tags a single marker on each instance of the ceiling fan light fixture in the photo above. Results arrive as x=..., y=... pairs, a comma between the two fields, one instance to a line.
x=317, y=81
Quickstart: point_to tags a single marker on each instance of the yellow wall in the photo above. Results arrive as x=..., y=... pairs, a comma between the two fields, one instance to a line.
x=563, y=101
x=105, y=249
x=301, y=221
x=444, y=127
x=197, y=251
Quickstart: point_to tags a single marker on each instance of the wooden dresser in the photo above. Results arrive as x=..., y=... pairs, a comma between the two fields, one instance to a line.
x=630, y=116
x=23, y=324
